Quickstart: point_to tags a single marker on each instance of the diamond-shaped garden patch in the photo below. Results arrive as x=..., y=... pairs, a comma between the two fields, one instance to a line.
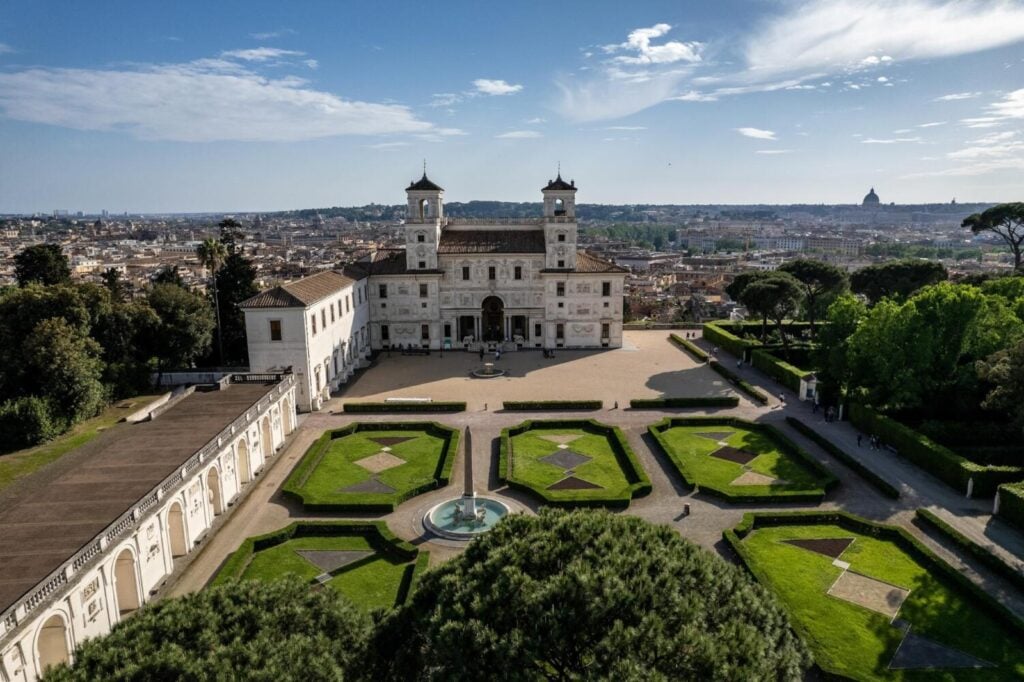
x=830, y=547
x=870, y=593
x=566, y=459
x=388, y=441
x=715, y=435
x=560, y=438
x=370, y=485
x=574, y=483
x=329, y=561
x=754, y=478
x=741, y=457
x=382, y=461
x=917, y=652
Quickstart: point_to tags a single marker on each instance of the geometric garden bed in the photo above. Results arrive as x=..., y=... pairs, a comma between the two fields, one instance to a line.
x=373, y=466
x=571, y=462
x=741, y=461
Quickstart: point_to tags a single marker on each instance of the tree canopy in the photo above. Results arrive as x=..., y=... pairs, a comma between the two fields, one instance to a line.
x=1004, y=220
x=896, y=279
x=250, y=630
x=776, y=296
x=586, y=595
x=186, y=325
x=43, y=264
x=821, y=282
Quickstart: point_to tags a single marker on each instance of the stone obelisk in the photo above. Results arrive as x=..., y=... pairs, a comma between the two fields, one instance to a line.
x=468, y=494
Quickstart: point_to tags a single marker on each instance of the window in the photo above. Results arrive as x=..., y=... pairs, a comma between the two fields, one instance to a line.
x=605, y=329
x=490, y=272
x=606, y=288
x=561, y=237
x=421, y=238
x=561, y=263
x=465, y=273
x=384, y=333
x=561, y=304
x=518, y=273
x=536, y=331
x=332, y=313
x=560, y=289
x=335, y=363
x=606, y=304
x=423, y=290
x=348, y=303
x=323, y=318
x=559, y=331
x=275, y=330
x=382, y=291
x=425, y=332
x=423, y=265
x=340, y=312
x=312, y=321
x=447, y=331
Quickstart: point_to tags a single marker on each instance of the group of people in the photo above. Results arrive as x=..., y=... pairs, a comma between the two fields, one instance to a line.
x=830, y=413
x=497, y=353
x=874, y=442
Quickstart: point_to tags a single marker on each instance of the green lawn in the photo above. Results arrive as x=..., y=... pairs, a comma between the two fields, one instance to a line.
x=603, y=469
x=692, y=453
x=371, y=583
x=15, y=465
x=851, y=640
x=330, y=465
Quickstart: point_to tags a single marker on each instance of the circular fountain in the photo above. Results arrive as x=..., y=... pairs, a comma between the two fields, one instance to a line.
x=465, y=517
x=488, y=371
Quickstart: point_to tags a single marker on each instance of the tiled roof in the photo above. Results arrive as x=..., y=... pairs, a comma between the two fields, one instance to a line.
x=559, y=183
x=587, y=264
x=425, y=184
x=385, y=262
x=491, y=241
x=300, y=293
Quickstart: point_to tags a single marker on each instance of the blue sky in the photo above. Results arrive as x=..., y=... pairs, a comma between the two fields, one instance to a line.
x=233, y=106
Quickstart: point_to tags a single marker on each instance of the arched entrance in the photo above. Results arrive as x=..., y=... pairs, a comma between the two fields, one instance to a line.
x=213, y=488
x=52, y=645
x=126, y=578
x=176, y=529
x=286, y=407
x=267, y=438
x=243, y=463
x=492, y=319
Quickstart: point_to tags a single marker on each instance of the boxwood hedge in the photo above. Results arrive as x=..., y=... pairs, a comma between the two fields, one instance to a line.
x=1011, y=504
x=982, y=554
x=755, y=393
x=695, y=351
x=846, y=458
x=538, y=405
x=367, y=408
x=707, y=401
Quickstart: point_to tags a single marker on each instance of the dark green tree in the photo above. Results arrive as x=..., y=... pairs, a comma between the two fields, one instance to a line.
x=821, y=281
x=249, y=630
x=832, y=351
x=739, y=283
x=236, y=281
x=1004, y=220
x=586, y=595
x=777, y=297
x=66, y=365
x=185, y=329
x=212, y=253
x=114, y=283
x=42, y=263
x=896, y=279
x=169, y=275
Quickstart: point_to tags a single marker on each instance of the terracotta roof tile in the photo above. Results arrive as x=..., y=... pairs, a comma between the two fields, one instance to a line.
x=300, y=293
x=491, y=241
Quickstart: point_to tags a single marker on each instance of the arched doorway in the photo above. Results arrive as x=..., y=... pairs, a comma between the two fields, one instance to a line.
x=213, y=488
x=492, y=319
x=267, y=438
x=243, y=463
x=52, y=645
x=176, y=529
x=286, y=407
x=126, y=578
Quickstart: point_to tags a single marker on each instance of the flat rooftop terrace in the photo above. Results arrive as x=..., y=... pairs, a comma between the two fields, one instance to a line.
x=47, y=517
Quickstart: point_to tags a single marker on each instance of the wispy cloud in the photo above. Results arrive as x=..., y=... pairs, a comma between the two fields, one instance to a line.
x=757, y=133
x=267, y=35
x=892, y=140
x=487, y=86
x=534, y=121
x=386, y=146
x=260, y=54
x=933, y=124
x=200, y=101
x=638, y=44
x=774, y=151
x=957, y=96
x=625, y=127
x=988, y=154
x=5, y=48
x=519, y=135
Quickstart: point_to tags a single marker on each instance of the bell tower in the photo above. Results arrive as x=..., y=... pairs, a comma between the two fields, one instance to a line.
x=424, y=217
x=560, y=224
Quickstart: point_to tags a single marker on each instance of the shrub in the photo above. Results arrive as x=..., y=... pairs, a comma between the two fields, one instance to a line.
x=786, y=374
x=859, y=467
x=28, y=421
x=366, y=408
x=980, y=553
x=709, y=401
x=716, y=334
x=538, y=405
x=1011, y=504
x=690, y=347
x=734, y=378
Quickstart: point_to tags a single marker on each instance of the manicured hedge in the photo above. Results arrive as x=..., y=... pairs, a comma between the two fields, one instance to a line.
x=859, y=467
x=1011, y=504
x=537, y=405
x=375, y=532
x=974, y=549
x=717, y=335
x=786, y=374
x=690, y=347
x=295, y=482
x=932, y=457
x=734, y=378
x=898, y=536
x=365, y=408
x=640, y=485
x=708, y=401
x=784, y=442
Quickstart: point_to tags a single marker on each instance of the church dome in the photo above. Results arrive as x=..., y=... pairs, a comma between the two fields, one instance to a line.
x=871, y=199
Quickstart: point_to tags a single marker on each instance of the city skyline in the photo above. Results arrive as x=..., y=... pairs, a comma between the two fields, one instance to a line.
x=258, y=107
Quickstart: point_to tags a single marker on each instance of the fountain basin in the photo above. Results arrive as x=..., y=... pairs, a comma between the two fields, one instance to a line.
x=488, y=371
x=444, y=521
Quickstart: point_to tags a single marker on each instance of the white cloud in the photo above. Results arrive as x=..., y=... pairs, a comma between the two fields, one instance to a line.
x=5, y=48
x=266, y=35
x=1011, y=106
x=199, y=101
x=851, y=34
x=625, y=127
x=988, y=154
x=445, y=99
x=882, y=79
x=260, y=54
x=519, y=135
x=495, y=87
x=774, y=151
x=534, y=121
x=957, y=96
x=311, y=63
x=694, y=96
x=893, y=140
x=757, y=133
x=933, y=124
x=639, y=43
x=386, y=146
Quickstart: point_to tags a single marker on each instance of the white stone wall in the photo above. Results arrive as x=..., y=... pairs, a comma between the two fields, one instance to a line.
x=90, y=604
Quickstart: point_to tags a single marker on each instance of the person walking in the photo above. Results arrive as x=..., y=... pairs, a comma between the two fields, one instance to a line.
x=481, y=352
x=859, y=439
